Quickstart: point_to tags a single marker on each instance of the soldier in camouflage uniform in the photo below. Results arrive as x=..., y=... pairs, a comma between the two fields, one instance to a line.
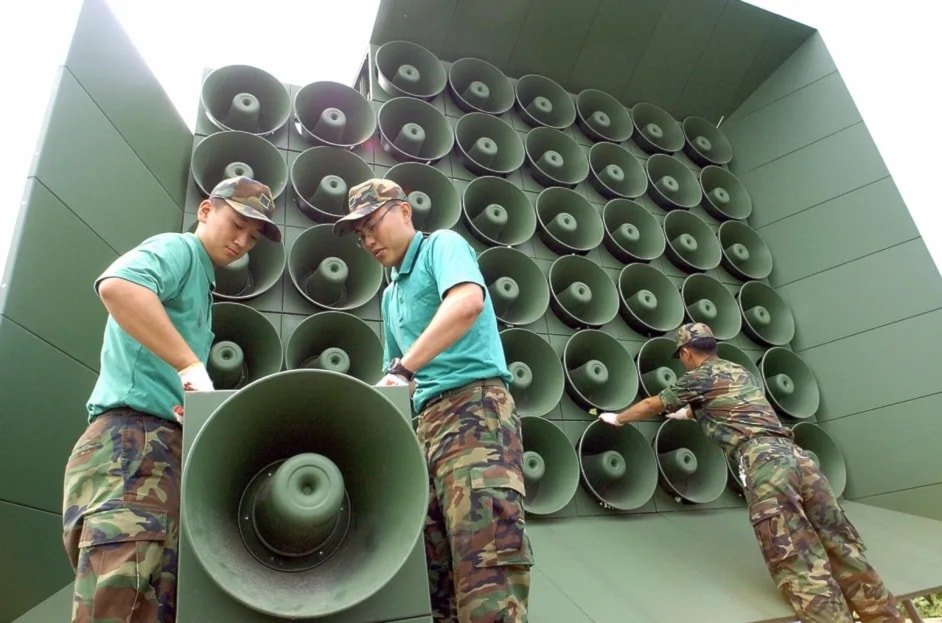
x=813, y=552
x=440, y=335
x=121, y=498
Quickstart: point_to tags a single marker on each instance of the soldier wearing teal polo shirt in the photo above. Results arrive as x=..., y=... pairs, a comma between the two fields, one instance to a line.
x=121, y=499
x=440, y=335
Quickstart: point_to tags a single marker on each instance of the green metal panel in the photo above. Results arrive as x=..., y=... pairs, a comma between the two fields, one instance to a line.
x=57, y=607
x=921, y=501
x=551, y=37
x=474, y=32
x=418, y=21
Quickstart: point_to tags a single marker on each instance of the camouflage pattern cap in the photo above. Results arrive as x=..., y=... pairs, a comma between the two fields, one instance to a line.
x=251, y=199
x=691, y=332
x=365, y=198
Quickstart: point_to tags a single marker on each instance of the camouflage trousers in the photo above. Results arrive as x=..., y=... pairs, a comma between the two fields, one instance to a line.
x=120, y=514
x=813, y=552
x=476, y=545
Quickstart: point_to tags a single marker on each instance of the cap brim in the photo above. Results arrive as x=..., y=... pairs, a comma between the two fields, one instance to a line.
x=269, y=230
x=346, y=223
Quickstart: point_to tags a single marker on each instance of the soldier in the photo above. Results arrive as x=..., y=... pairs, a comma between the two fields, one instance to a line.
x=813, y=553
x=440, y=335
x=121, y=500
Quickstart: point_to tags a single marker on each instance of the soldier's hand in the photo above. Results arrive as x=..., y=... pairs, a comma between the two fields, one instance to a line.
x=391, y=380
x=683, y=413
x=195, y=378
x=610, y=418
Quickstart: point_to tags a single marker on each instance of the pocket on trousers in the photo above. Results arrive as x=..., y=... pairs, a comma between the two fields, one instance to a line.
x=771, y=528
x=497, y=509
x=122, y=525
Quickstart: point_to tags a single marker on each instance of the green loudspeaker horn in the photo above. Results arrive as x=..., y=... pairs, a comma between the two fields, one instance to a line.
x=338, y=342
x=708, y=301
x=583, y=295
x=497, y=212
x=239, y=97
x=555, y=159
x=333, y=272
x=618, y=466
x=599, y=371
x=789, y=383
x=321, y=178
x=650, y=302
x=657, y=366
x=726, y=197
x=692, y=468
x=691, y=244
x=406, y=68
x=333, y=114
x=537, y=383
x=230, y=154
x=602, y=117
x=488, y=146
x=245, y=348
x=767, y=318
x=568, y=222
x=745, y=254
x=435, y=201
x=304, y=478
x=411, y=129
x=478, y=86
x=822, y=449
x=253, y=274
x=517, y=287
x=705, y=144
x=656, y=131
x=672, y=185
x=543, y=102
x=550, y=466
x=632, y=234
x=615, y=172
x=729, y=352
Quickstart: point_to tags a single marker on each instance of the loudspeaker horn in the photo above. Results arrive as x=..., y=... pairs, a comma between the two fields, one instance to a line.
x=650, y=302
x=435, y=201
x=672, y=185
x=497, y=212
x=582, y=293
x=632, y=234
x=708, y=301
x=231, y=153
x=333, y=114
x=692, y=468
x=406, y=68
x=301, y=476
x=726, y=197
x=789, y=383
x=657, y=366
x=478, y=86
x=543, y=102
x=411, y=129
x=486, y=145
x=336, y=341
x=518, y=288
x=601, y=117
x=705, y=144
x=332, y=271
x=253, y=274
x=245, y=348
x=550, y=466
x=618, y=465
x=615, y=172
x=537, y=381
x=691, y=244
x=599, y=371
x=568, y=222
x=767, y=318
x=745, y=254
x=240, y=97
x=656, y=131
x=321, y=178
x=554, y=159
x=727, y=351
x=822, y=449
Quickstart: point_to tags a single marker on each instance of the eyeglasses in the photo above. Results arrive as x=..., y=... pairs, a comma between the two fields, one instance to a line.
x=370, y=230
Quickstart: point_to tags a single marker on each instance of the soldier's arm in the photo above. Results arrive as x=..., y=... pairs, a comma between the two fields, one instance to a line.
x=459, y=310
x=641, y=410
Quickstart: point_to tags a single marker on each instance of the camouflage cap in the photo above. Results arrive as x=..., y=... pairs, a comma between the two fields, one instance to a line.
x=251, y=199
x=365, y=198
x=691, y=332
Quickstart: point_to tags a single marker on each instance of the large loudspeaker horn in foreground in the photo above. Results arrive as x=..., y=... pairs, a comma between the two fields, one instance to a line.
x=656, y=131
x=245, y=348
x=672, y=185
x=708, y=301
x=537, y=381
x=253, y=274
x=299, y=480
x=691, y=244
x=767, y=318
x=543, y=102
x=568, y=222
x=615, y=172
x=726, y=197
x=692, y=468
x=745, y=254
x=555, y=159
x=240, y=97
x=516, y=284
x=632, y=234
x=727, y=351
x=332, y=271
x=487, y=145
x=789, y=383
x=333, y=114
x=657, y=366
x=599, y=371
x=822, y=449
x=229, y=154
x=338, y=342
x=550, y=466
x=583, y=295
x=478, y=86
x=705, y=144
x=405, y=68
x=650, y=302
x=411, y=129
x=435, y=201
x=497, y=212
x=602, y=117
x=618, y=466
x=321, y=178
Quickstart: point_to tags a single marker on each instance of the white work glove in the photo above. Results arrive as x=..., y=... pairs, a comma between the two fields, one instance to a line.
x=195, y=378
x=391, y=380
x=610, y=418
x=682, y=413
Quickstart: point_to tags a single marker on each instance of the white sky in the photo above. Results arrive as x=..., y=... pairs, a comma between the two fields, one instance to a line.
x=888, y=54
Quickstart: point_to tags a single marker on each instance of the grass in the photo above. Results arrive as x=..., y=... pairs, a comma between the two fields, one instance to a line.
x=929, y=605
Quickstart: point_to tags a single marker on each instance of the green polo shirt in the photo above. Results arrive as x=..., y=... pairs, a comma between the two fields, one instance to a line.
x=177, y=268
x=431, y=267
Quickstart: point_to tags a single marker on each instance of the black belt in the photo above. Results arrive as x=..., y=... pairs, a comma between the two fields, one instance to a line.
x=491, y=382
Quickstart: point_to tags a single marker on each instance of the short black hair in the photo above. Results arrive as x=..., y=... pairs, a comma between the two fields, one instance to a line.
x=703, y=345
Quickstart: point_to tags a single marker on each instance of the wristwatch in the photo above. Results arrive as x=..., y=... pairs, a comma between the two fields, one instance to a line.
x=396, y=367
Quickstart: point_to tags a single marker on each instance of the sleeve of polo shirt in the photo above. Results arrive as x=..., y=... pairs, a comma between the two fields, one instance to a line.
x=453, y=261
x=159, y=264
x=391, y=349
x=688, y=389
